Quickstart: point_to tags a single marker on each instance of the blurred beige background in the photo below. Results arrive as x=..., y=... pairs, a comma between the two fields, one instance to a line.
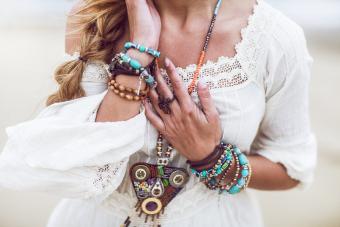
x=32, y=44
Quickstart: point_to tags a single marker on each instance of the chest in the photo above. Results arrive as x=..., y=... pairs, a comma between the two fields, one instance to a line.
x=184, y=48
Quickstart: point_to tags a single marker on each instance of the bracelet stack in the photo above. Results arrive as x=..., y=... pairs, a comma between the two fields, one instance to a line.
x=122, y=63
x=220, y=162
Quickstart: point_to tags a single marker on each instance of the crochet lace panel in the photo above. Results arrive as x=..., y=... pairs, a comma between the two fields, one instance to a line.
x=96, y=72
x=105, y=175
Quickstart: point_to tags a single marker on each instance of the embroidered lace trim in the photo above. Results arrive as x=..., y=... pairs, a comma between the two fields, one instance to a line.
x=96, y=71
x=105, y=175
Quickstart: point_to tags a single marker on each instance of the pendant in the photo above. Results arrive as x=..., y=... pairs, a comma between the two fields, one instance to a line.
x=155, y=186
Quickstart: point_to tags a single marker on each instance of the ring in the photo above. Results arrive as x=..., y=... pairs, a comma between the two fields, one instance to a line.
x=164, y=104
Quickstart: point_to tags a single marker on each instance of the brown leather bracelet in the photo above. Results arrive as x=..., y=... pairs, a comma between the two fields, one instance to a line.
x=209, y=160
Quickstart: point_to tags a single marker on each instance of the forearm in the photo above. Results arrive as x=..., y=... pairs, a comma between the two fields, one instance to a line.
x=267, y=175
x=114, y=108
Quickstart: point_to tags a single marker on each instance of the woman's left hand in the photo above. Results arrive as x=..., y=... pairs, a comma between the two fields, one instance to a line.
x=192, y=131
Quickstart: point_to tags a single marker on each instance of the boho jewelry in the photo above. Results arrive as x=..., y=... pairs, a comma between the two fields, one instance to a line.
x=142, y=49
x=126, y=92
x=218, y=167
x=156, y=185
x=122, y=64
x=244, y=166
x=213, y=184
x=240, y=180
x=226, y=187
x=164, y=104
x=210, y=159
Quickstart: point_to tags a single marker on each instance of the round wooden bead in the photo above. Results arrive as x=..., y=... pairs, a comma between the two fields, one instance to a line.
x=121, y=87
x=129, y=97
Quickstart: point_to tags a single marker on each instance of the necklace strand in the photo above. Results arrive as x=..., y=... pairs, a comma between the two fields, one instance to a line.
x=191, y=87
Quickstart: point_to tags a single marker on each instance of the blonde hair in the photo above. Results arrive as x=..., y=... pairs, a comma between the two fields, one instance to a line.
x=100, y=24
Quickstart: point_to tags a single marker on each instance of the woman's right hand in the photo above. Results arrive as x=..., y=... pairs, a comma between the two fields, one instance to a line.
x=144, y=22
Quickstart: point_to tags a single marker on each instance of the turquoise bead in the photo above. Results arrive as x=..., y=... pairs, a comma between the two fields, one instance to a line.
x=219, y=170
x=229, y=157
x=204, y=173
x=241, y=182
x=142, y=48
x=234, y=189
x=125, y=58
x=244, y=172
x=193, y=171
x=135, y=64
x=149, y=80
x=237, y=151
x=128, y=45
x=243, y=159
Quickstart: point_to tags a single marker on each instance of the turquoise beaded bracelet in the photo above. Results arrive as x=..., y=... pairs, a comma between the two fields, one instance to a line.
x=243, y=178
x=138, y=69
x=142, y=49
x=136, y=65
x=240, y=179
x=222, y=164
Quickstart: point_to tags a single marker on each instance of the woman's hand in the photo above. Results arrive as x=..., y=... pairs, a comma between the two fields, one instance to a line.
x=144, y=22
x=144, y=28
x=192, y=131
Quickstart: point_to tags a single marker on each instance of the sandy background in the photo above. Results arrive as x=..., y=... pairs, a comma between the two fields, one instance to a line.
x=31, y=45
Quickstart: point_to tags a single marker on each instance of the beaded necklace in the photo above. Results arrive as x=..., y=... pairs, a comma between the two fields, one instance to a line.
x=156, y=185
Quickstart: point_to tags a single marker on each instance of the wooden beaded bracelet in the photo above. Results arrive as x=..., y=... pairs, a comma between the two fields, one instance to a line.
x=126, y=92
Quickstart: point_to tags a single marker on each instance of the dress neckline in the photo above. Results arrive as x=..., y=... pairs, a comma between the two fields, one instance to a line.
x=251, y=21
x=244, y=31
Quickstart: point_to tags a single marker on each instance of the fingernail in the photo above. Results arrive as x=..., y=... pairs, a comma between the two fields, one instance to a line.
x=166, y=62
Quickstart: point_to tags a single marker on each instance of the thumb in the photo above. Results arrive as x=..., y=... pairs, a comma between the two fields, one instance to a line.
x=206, y=101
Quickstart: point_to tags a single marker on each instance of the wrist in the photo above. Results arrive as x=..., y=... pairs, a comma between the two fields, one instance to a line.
x=203, y=151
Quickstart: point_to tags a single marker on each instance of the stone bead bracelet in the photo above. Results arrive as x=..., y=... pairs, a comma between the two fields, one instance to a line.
x=142, y=49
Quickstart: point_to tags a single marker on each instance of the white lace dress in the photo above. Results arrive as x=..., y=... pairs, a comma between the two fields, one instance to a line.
x=262, y=97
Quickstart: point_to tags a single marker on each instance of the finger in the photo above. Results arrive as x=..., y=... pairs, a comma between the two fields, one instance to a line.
x=181, y=93
x=154, y=119
x=162, y=86
x=154, y=100
x=164, y=91
x=206, y=101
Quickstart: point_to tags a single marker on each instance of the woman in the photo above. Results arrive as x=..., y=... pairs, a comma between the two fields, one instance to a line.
x=252, y=93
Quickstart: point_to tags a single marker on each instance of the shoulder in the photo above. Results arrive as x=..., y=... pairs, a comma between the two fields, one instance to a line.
x=285, y=36
x=72, y=36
